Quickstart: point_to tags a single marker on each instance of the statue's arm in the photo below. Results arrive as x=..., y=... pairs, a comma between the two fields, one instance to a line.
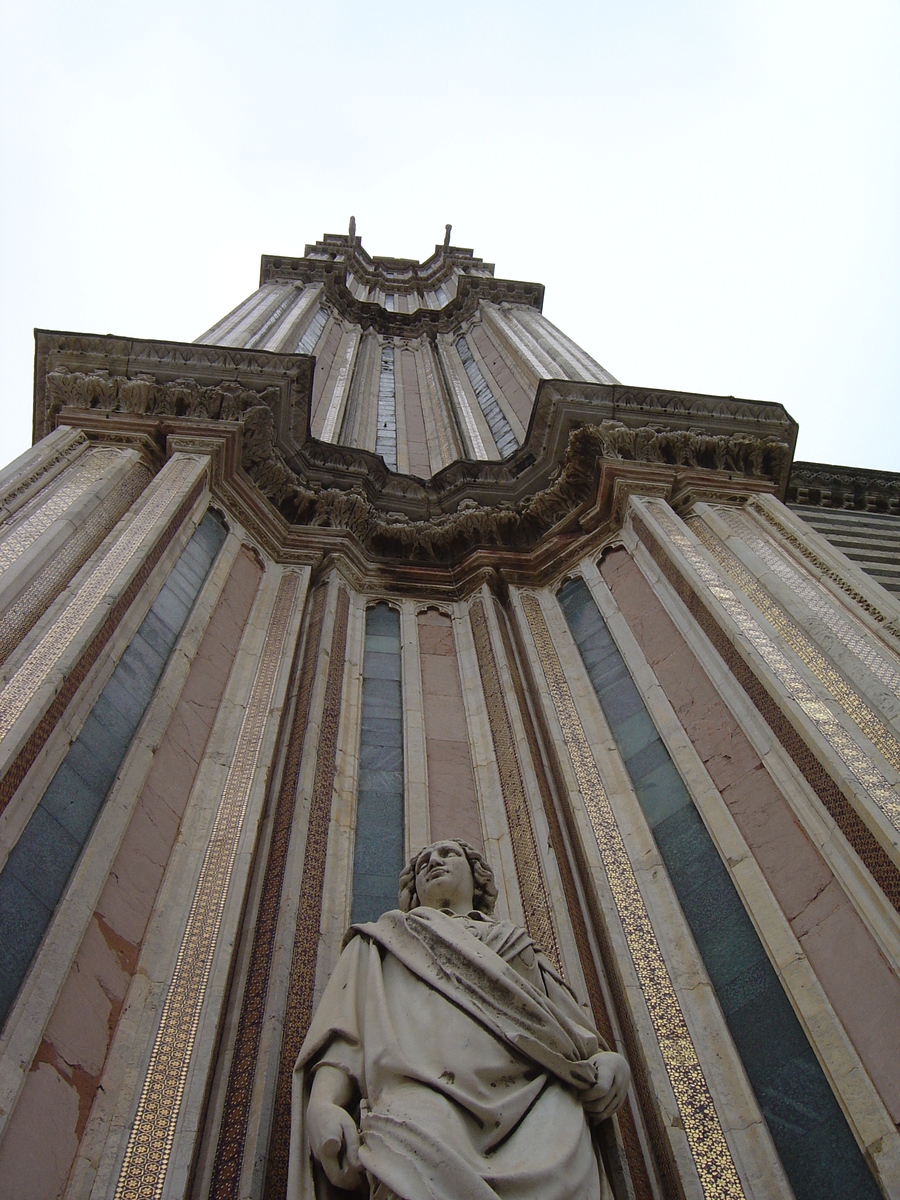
x=333, y=1136
x=612, y=1077
x=612, y=1074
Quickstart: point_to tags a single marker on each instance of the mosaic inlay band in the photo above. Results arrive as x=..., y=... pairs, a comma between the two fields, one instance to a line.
x=150, y=1143
x=532, y=885
x=34, y=601
x=90, y=470
x=843, y=692
x=867, y=773
x=302, y=979
x=705, y=1136
x=845, y=816
x=849, y=629
x=821, y=565
x=69, y=453
x=24, y=684
x=229, y=1158
x=627, y=1124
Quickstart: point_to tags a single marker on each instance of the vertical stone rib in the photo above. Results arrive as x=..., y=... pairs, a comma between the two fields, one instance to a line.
x=344, y=360
x=461, y=401
x=304, y=313
x=545, y=763
x=529, y=872
x=244, y=332
x=298, y=1009
x=416, y=434
x=850, y=822
x=452, y=799
x=229, y=331
x=25, y=478
x=31, y=603
x=229, y=1156
x=149, y=1145
x=141, y=541
x=706, y=1139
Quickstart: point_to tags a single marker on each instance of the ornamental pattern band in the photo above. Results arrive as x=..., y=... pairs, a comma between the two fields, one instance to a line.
x=768, y=700
x=705, y=1136
x=847, y=696
x=872, y=780
x=89, y=471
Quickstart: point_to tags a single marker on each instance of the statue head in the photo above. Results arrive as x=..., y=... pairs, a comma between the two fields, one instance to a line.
x=484, y=890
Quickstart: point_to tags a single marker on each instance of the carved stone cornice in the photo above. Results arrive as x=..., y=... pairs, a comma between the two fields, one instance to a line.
x=564, y=491
x=130, y=375
x=826, y=486
x=369, y=314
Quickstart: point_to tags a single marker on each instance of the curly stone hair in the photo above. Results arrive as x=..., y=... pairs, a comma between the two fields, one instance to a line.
x=484, y=892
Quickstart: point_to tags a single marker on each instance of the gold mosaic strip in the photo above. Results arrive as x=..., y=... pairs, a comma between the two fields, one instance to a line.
x=302, y=978
x=867, y=773
x=90, y=470
x=705, y=1136
x=34, y=601
x=150, y=1143
x=532, y=885
x=33, y=672
x=889, y=627
x=627, y=1124
x=848, y=629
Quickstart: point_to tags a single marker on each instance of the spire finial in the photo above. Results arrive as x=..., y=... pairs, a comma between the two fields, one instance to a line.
x=447, y=229
x=352, y=230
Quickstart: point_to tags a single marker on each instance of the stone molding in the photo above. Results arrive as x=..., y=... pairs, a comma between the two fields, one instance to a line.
x=369, y=314
x=588, y=447
x=824, y=486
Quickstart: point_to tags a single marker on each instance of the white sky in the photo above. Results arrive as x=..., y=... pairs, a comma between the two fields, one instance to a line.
x=709, y=191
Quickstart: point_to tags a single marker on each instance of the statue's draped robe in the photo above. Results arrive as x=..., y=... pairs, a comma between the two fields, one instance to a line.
x=468, y=1052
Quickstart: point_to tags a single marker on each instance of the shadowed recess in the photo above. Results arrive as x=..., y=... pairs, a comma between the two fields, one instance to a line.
x=378, y=852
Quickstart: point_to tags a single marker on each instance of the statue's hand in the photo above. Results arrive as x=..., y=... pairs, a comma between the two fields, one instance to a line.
x=334, y=1141
x=608, y=1093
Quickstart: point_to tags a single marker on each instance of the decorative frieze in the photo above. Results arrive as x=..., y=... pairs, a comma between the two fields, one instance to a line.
x=824, y=486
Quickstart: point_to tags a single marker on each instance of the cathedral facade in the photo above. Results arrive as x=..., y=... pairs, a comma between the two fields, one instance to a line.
x=382, y=558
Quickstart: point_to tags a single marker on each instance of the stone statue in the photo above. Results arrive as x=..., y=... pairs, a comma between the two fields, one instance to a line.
x=447, y=1059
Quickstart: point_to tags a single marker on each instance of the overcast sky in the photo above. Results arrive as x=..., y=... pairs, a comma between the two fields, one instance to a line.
x=708, y=190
